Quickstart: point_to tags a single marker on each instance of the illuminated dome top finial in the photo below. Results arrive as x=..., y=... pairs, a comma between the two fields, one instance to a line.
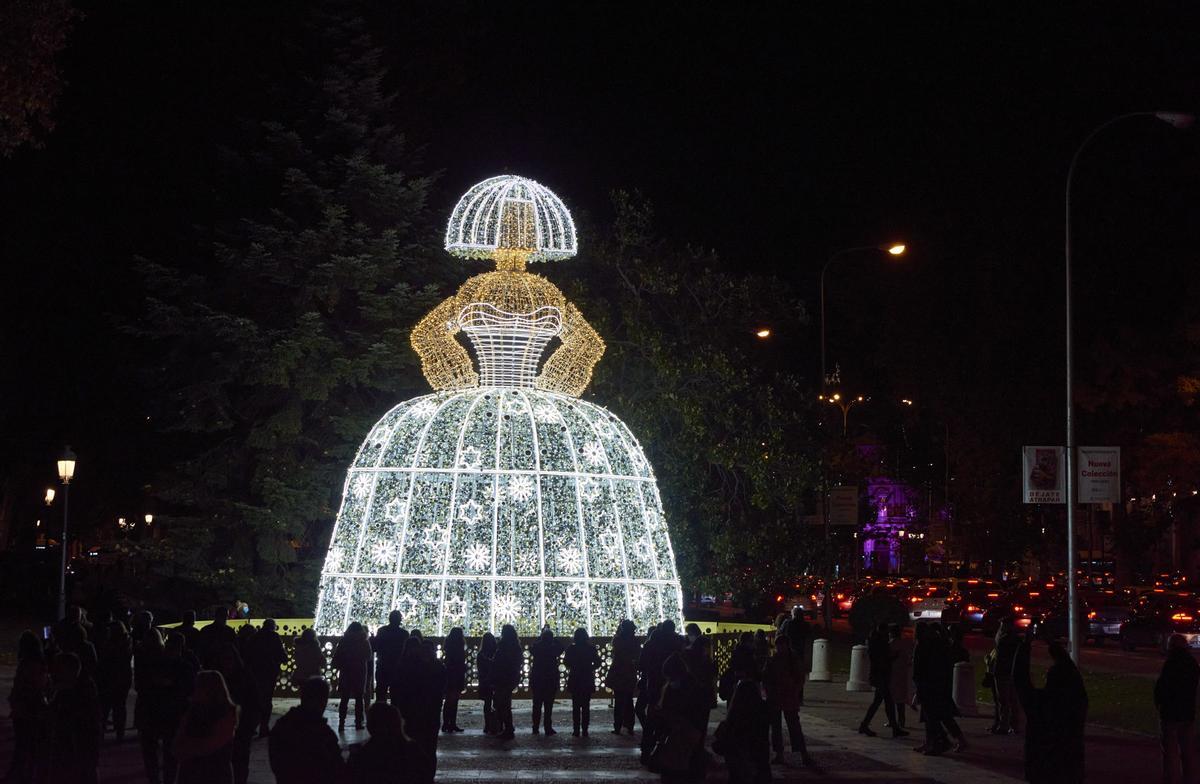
x=508, y=214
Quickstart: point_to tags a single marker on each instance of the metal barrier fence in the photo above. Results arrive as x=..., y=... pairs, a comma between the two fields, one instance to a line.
x=722, y=647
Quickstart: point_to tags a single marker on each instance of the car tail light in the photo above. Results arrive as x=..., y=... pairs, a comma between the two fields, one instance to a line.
x=972, y=608
x=1018, y=608
x=993, y=596
x=841, y=596
x=1092, y=615
x=1181, y=618
x=779, y=598
x=915, y=599
x=1034, y=593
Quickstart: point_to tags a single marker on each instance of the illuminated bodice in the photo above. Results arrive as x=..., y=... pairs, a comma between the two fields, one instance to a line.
x=508, y=346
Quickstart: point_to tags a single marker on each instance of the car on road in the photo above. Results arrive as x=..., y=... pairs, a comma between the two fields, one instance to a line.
x=1155, y=617
x=1105, y=611
x=1023, y=604
x=967, y=607
x=925, y=603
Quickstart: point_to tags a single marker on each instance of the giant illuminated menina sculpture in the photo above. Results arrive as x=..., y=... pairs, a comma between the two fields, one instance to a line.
x=502, y=497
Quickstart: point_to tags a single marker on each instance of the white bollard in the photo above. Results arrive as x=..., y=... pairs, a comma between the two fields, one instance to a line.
x=820, y=662
x=860, y=670
x=964, y=688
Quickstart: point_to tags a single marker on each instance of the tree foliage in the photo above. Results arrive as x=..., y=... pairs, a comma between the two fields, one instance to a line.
x=726, y=432
x=32, y=35
x=287, y=336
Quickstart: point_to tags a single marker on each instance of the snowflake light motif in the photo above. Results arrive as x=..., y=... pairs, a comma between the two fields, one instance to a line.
x=408, y=606
x=454, y=608
x=333, y=561
x=470, y=512
x=576, y=595
x=516, y=407
x=653, y=520
x=605, y=429
x=470, y=458
x=570, y=560
x=423, y=410
x=590, y=489
x=506, y=608
x=547, y=414
x=361, y=485
x=643, y=548
x=593, y=453
x=436, y=536
x=519, y=488
x=610, y=543
x=478, y=557
x=396, y=511
x=639, y=599
x=340, y=592
x=384, y=552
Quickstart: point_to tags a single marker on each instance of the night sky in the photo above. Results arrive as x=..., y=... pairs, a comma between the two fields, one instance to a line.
x=773, y=133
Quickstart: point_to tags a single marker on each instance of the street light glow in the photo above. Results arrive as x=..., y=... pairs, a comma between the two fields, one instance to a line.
x=66, y=466
x=149, y=519
x=49, y=496
x=897, y=249
x=763, y=333
x=906, y=401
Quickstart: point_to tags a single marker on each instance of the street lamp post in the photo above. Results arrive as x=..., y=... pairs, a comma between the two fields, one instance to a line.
x=844, y=404
x=1178, y=120
x=66, y=470
x=895, y=250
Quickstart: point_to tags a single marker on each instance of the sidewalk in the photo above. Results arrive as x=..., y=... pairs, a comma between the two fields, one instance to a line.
x=830, y=718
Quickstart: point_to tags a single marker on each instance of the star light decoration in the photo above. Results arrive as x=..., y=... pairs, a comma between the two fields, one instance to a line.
x=502, y=497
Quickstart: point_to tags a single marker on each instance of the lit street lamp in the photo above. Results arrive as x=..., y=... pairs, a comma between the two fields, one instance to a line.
x=845, y=404
x=896, y=249
x=66, y=471
x=148, y=518
x=1177, y=120
x=49, y=496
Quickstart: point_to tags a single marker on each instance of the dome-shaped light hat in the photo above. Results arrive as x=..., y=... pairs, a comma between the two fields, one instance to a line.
x=511, y=213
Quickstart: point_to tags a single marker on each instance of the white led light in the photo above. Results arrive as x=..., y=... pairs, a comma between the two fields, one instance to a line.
x=502, y=498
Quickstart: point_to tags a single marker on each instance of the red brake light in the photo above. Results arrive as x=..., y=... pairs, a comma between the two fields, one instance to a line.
x=1092, y=615
x=993, y=596
x=779, y=598
x=972, y=608
x=1034, y=593
x=914, y=599
x=1017, y=608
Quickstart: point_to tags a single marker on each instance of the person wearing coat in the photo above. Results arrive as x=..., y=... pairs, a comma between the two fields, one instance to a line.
x=27, y=705
x=506, y=675
x=389, y=647
x=352, y=660
x=204, y=743
x=244, y=692
x=742, y=737
x=114, y=676
x=265, y=656
x=303, y=748
x=1175, y=698
x=387, y=758
x=934, y=674
x=484, y=661
x=900, y=683
x=1054, y=718
x=782, y=676
x=879, y=653
x=543, y=678
x=622, y=675
x=73, y=726
x=165, y=683
x=454, y=656
x=582, y=660
x=422, y=684
x=310, y=658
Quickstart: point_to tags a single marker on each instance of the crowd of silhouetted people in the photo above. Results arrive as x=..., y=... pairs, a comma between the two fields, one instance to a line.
x=203, y=695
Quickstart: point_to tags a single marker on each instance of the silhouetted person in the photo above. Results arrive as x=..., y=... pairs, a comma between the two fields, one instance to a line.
x=27, y=705
x=1175, y=698
x=1007, y=643
x=742, y=660
x=70, y=635
x=879, y=653
x=389, y=647
x=265, y=656
x=582, y=660
x=213, y=636
x=309, y=657
x=73, y=724
x=1054, y=718
x=681, y=717
x=901, y=678
x=506, y=675
x=484, y=662
x=641, y=696
x=622, y=675
x=191, y=635
x=799, y=633
x=934, y=678
x=352, y=660
x=387, y=757
x=422, y=684
x=544, y=682
x=244, y=691
x=660, y=646
x=114, y=676
x=781, y=679
x=164, y=685
x=742, y=738
x=302, y=747
x=454, y=657
x=204, y=744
